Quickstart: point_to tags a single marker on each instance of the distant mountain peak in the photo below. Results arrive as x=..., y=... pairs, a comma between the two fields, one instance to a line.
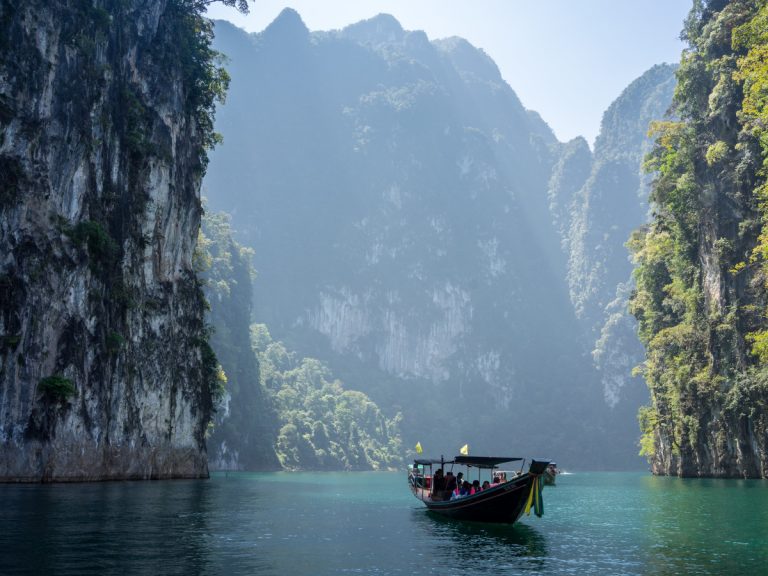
x=468, y=58
x=386, y=22
x=288, y=24
x=381, y=28
x=655, y=85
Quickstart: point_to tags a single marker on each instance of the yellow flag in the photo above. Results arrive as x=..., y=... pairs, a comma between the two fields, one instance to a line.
x=465, y=450
x=418, y=448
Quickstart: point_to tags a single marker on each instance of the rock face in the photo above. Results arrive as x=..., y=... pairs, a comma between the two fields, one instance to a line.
x=104, y=372
x=597, y=200
x=396, y=192
x=702, y=261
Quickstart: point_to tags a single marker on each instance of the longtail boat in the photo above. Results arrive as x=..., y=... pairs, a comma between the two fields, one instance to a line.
x=513, y=492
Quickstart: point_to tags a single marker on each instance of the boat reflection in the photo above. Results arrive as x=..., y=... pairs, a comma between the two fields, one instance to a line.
x=477, y=544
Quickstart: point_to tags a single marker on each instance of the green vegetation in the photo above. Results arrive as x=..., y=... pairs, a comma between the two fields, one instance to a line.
x=213, y=374
x=136, y=124
x=102, y=249
x=10, y=341
x=57, y=387
x=189, y=41
x=11, y=180
x=244, y=429
x=114, y=342
x=752, y=72
x=277, y=411
x=323, y=426
x=701, y=296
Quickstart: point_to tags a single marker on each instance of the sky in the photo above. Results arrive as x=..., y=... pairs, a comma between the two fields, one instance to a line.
x=566, y=59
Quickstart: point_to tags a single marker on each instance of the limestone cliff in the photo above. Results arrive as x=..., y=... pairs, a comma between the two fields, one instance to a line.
x=596, y=201
x=395, y=189
x=105, y=371
x=702, y=261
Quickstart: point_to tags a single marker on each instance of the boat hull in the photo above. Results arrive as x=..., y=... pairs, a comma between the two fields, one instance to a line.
x=501, y=504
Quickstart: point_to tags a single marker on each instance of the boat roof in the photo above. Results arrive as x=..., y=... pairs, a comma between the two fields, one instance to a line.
x=476, y=461
x=484, y=461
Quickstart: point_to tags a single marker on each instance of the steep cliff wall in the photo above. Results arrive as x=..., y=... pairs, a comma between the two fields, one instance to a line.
x=701, y=277
x=245, y=423
x=396, y=191
x=596, y=201
x=104, y=366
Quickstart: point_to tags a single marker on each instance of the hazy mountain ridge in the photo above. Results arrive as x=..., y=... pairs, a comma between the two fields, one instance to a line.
x=595, y=219
x=396, y=192
x=277, y=410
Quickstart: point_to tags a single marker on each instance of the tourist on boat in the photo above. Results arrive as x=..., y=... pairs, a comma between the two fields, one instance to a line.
x=475, y=486
x=486, y=485
x=450, y=485
x=457, y=489
x=438, y=485
x=466, y=489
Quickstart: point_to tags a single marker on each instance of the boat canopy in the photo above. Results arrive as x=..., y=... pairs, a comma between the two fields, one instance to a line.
x=476, y=461
x=429, y=462
x=483, y=461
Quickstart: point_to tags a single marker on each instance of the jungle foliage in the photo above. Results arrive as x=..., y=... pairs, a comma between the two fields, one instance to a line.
x=702, y=263
x=323, y=425
x=278, y=411
x=244, y=427
x=202, y=70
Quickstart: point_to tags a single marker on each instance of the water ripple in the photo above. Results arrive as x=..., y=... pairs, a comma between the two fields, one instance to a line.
x=264, y=524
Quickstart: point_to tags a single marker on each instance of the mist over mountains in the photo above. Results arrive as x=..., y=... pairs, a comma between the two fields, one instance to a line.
x=422, y=232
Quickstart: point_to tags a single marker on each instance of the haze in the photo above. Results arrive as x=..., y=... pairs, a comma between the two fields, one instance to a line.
x=548, y=52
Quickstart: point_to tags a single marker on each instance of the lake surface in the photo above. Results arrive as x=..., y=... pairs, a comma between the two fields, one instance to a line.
x=368, y=523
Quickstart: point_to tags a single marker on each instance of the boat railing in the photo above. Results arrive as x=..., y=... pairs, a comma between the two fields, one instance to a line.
x=421, y=480
x=509, y=474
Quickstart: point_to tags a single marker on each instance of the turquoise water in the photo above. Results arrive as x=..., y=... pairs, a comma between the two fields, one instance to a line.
x=368, y=523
